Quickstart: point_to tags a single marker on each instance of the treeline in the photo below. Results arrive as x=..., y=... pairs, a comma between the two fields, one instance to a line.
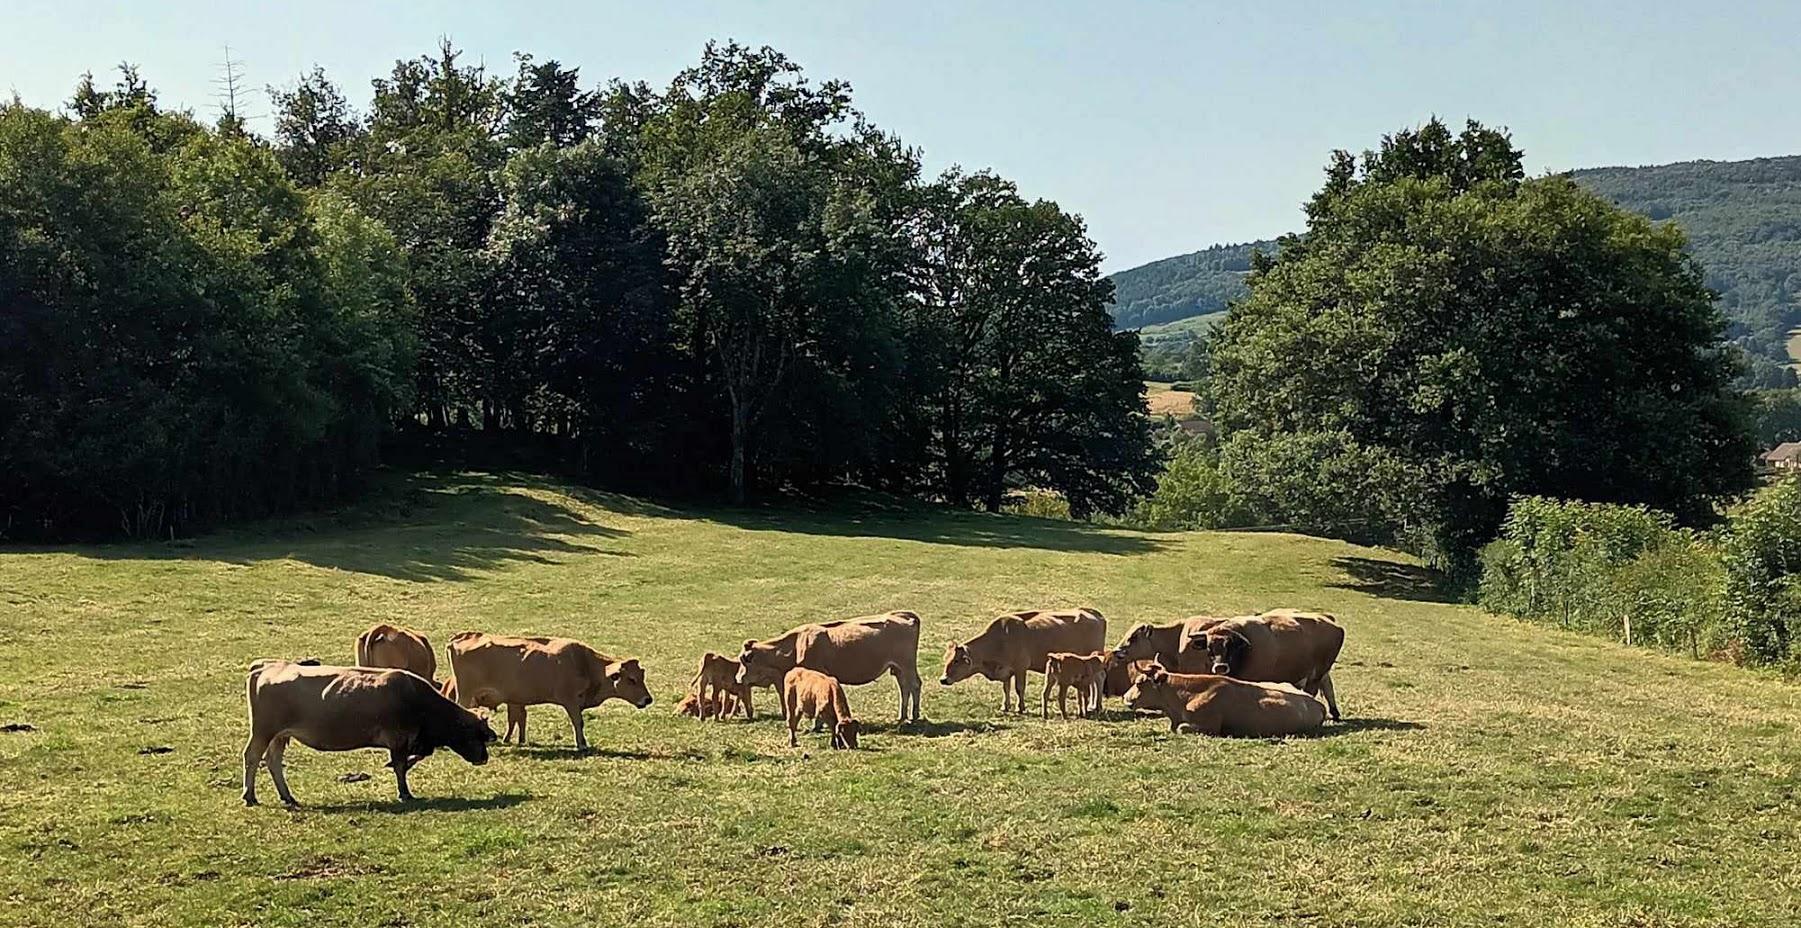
x=733, y=283
x=1186, y=285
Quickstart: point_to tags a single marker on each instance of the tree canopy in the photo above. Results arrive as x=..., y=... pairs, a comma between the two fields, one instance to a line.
x=1447, y=333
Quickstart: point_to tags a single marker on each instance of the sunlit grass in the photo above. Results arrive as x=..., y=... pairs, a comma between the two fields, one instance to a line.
x=1489, y=773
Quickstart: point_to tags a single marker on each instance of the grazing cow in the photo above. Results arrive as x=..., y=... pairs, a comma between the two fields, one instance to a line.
x=345, y=708
x=1163, y=643
x=813, y=695
x=385, y=645
x=1279, y=646
x=494, y=670
x=854, y=651
x=717, y=680
x=1082, y=672
x=1019, y=642
x=1210, y=704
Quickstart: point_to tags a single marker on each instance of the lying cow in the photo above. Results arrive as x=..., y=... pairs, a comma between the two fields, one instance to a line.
x=494, y=670
x=718, y=676
x=1017, y=643
x=345, y=708
x=1210, y=704
x=717, y=706
x=809, y=694
x=1279, y=646
x=1083, y=673
x=385, y=645
x=1163, y=643
x=853, y=651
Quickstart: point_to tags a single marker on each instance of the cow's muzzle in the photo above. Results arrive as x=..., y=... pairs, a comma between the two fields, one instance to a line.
x=644, y=703
x=944, y=681
x=1222, y=669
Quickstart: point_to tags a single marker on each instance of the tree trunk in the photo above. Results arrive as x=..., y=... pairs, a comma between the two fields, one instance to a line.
x=997, y=473
x=740, y=435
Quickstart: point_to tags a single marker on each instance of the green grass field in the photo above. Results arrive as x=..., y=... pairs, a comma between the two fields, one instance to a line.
x=1488, y=773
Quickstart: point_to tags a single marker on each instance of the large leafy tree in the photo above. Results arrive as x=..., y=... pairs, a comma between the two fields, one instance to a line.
x=315, y=129
x=1447, y=333
x=1027, y=384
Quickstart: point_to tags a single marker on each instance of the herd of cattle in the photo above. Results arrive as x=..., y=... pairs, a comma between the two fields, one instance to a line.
x=1255, y=675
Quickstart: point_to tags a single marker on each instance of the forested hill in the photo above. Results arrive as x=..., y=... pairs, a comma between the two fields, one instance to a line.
x=1185, y=285
x=1743, y=219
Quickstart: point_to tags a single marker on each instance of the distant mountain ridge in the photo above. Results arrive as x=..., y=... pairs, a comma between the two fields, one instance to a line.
x=1743, y=220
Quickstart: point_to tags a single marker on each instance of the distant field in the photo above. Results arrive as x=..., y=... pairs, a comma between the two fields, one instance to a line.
x=1489, y=773
x=1182, y=330
x=1162, y=400
x=1794, y=347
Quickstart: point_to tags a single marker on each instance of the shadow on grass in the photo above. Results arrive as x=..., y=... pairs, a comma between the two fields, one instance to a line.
x=1389, y=580
x=1353, y=726
x=420, y=527
x=863, y=515
x=932, y=728
x=547, y=752
x=435, y=804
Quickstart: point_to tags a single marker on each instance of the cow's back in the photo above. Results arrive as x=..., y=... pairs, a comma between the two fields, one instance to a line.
x=495, y=669
x=387, y=645
x=1077, y=631
x=328, y=706
x=1289, y=646
x=859, y=650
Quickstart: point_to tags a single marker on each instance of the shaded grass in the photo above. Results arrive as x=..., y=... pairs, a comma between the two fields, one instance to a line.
x=1488, y=773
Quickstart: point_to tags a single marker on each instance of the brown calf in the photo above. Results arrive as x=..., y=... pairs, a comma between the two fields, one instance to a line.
x=716, y=682
x=813, y=695
x=1085, y=673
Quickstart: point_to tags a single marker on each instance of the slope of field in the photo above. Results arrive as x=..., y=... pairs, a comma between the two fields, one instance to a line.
x=1488, y=773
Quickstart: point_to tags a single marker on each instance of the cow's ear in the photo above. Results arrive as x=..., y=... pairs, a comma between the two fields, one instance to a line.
x=749, y=644
x=630, y=663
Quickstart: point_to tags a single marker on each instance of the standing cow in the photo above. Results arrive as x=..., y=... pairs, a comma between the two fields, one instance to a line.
x=385, y=645
x=345, y=708
x=854, y=651
x=1163, y=643
x=1279, y=646
x=1015, y=644
x=494, y=670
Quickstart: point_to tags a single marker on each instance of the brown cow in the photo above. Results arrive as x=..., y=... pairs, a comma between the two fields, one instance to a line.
x=493, y=670
x=1211, y=704
x=345, y=708
x=385, y=645
x=854, y=651
x=1279, y=646
x=717, y=706
x=814, y=695
x=1019, y=642
x=1082, y=672
x=719, y=675
x=1163, y=643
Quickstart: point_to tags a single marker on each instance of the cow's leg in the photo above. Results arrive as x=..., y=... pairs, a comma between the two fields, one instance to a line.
x=401, y=763
x=917, y=684
x=253, y=758
x=1063, y=700
x=791, y=713
x=278, y=747
x=1044, y=701
x=1325, y=689
x=578, y=723
x=744, y=701
x=1019, y=690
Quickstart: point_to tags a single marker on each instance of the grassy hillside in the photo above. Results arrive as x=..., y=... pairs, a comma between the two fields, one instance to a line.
x=1743, y=219
x=1489, y=773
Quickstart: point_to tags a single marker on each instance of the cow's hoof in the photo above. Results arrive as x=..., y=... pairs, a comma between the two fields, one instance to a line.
x=291, y=804
x=249, y=800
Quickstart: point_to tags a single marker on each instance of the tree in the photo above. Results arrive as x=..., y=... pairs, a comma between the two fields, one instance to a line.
x=315, y=128
x=546, y=105
x=1032, y=386
x=1447, y=334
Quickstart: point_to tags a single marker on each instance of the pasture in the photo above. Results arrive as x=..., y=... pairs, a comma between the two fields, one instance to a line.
x=1488, y=772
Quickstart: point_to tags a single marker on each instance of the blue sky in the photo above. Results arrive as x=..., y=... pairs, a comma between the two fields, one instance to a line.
x=1168, y=126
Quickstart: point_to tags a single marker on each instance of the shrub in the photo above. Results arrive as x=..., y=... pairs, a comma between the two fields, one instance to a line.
x=1761, y=552
x=1193, y=493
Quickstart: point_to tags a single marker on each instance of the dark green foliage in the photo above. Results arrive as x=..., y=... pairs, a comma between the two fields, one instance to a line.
x=1761, y=552
x=719, y=285
x=1447, y=335
x=187, y=338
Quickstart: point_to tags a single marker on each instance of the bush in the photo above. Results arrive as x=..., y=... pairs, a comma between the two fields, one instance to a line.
x=1038, y=504
x=1193, y=493
x=1762, y=556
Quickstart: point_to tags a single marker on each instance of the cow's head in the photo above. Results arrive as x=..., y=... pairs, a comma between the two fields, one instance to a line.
x=465, y=733
x=1137, y=645
x=1150, y=689
x=844, y=734
x=627, y=680
x=958, y=664
x=762, y=664
x=1225, y=649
